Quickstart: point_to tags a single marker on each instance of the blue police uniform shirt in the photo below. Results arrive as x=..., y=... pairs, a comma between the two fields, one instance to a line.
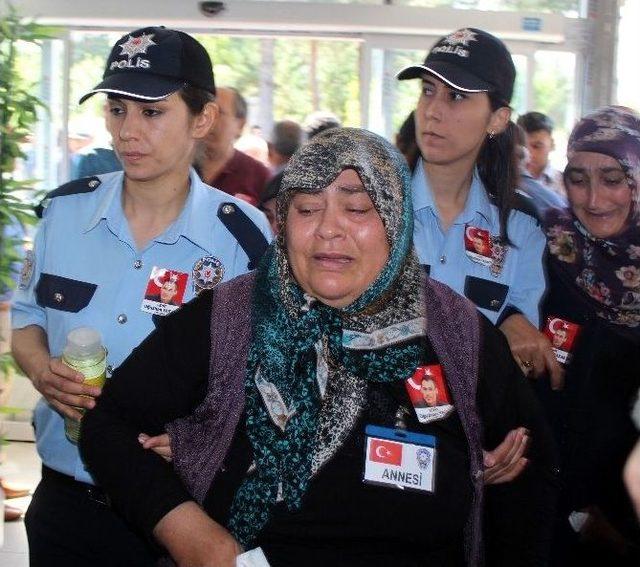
x=87, y=262
x=519, y=285
x=542, y=197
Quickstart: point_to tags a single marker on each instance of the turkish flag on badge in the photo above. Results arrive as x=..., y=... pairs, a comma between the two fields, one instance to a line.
x=387, y=452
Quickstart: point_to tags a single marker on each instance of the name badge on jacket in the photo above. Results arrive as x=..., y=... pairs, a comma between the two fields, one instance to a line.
x=399, y=459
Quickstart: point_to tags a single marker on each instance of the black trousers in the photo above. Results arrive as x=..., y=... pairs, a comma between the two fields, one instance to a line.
x=70, y=523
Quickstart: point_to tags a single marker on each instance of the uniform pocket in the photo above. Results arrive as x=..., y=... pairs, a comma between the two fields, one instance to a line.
x=485, y=293
x=63, y=294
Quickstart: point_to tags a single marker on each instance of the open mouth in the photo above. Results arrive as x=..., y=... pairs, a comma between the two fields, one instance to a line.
x=331, y=259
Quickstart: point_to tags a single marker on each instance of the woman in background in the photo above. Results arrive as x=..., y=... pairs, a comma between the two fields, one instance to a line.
x=593, y=310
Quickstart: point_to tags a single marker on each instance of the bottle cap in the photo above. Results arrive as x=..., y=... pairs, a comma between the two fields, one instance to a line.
x=83, y=341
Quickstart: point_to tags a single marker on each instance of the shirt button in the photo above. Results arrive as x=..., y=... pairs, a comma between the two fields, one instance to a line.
x=137, y=264
x=228, y=209
x=494, y=303
x=58, y=297
x=443, y=259
x=122, y=318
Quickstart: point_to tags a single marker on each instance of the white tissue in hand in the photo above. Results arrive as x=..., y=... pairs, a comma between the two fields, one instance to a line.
x=252, y=558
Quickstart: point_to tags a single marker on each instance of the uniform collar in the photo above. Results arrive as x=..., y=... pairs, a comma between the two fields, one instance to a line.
x=195, y=221
x=477, y=202
x=109, y=204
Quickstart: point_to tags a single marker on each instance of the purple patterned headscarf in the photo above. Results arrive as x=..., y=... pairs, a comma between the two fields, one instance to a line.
x=615, y=132
x=606, y=272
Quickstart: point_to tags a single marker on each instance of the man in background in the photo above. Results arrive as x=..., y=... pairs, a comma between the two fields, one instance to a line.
x=219, y=163
x=539, y=130
x=287, y=136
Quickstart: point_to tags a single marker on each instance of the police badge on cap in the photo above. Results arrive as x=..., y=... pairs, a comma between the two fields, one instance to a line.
x=154, y=62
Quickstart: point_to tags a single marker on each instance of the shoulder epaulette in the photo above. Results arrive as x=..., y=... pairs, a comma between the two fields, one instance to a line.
x=524, y=204
x=83, y=185
x=244, y=230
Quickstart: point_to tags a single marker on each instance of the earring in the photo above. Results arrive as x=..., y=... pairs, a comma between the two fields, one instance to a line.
x=491, y=134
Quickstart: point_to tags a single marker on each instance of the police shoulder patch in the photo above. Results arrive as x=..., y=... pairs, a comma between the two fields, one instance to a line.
x=83, y=185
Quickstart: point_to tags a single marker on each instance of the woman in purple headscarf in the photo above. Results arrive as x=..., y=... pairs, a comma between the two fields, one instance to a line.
x=592, y=317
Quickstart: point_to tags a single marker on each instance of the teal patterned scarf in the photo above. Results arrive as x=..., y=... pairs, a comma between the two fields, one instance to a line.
x=309, y=363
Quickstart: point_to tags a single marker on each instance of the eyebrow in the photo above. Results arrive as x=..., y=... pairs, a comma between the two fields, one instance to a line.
x=608, y=169
x=352, y=189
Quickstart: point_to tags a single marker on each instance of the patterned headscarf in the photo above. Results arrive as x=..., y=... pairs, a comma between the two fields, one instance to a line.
x=606, y=272
x=309, y=363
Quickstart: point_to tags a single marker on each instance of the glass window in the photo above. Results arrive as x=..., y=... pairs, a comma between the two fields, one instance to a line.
x=571, y=8
x=553, y=86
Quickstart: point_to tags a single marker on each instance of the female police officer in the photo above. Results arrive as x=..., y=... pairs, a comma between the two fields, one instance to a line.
x=106, y=242
x=464, y=189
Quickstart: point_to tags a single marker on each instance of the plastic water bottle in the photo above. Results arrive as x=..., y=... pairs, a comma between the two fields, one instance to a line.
x=84, y=352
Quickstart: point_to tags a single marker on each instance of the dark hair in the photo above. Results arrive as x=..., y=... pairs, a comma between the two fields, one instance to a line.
x=195, y=98
x=535, y=121
x=520, y=138
x=286, y=137
x=498, y=169
x=406, y=140
x=271, y=188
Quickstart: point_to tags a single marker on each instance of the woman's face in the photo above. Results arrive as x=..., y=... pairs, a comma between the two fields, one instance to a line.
x=452, y=125
x=336, y=242
x=153, y=139
x=599, y=193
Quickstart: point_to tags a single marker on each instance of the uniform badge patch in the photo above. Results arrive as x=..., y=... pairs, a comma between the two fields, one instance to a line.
x=207, y=273
x=26, y=273
x=499, y=254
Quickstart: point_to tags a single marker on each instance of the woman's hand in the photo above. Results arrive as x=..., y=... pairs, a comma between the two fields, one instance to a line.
x=63, y=388
x=160, y=444
x=532, y=350
x=59, y=384
x=194, y=540
x=507, y=460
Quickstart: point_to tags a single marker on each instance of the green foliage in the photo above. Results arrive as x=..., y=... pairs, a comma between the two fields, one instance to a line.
x=18, y=114
x=236, y=61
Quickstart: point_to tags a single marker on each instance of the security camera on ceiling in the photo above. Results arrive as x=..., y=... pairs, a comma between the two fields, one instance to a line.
x=211, y=8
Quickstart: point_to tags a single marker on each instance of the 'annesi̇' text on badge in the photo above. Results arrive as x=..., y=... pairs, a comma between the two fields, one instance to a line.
x=400, y=459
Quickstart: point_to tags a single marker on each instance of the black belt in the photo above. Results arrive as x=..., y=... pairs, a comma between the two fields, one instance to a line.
x=93, y=493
